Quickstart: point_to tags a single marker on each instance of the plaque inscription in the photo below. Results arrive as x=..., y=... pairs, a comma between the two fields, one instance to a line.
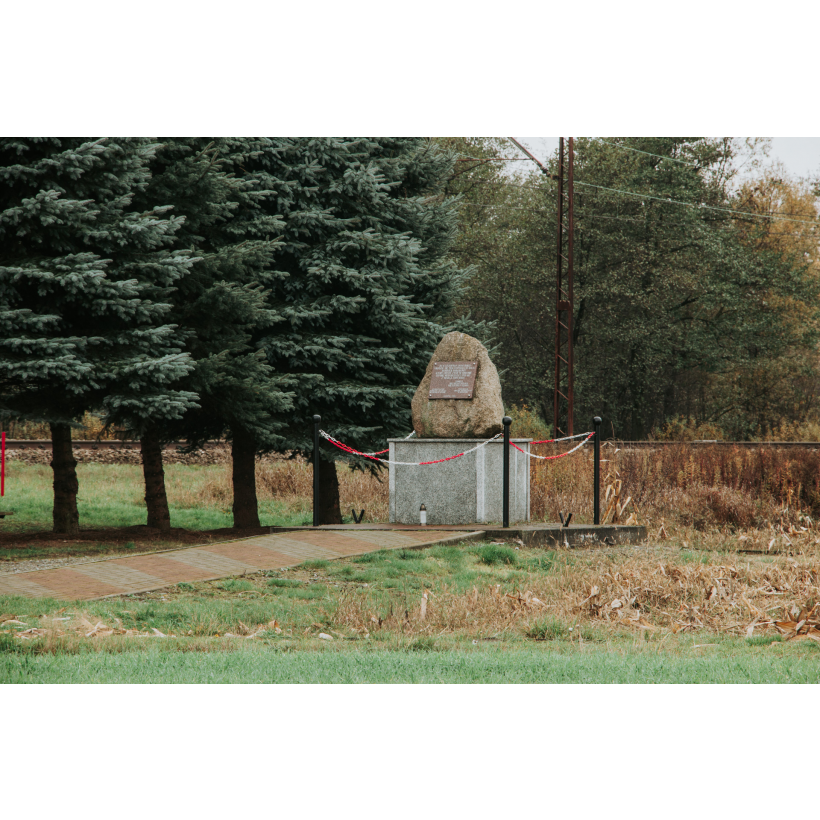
x=453, y=380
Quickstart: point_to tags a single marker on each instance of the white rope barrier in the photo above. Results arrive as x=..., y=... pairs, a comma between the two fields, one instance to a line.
x=560, y=455
x=350, y=450
x=375, y=455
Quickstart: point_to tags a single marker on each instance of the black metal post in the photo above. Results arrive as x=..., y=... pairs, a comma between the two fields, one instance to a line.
x=506, y=421
x=596, y=471
x=317, y=420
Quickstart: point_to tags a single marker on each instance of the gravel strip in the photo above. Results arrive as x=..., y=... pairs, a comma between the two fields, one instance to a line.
x=31, y=564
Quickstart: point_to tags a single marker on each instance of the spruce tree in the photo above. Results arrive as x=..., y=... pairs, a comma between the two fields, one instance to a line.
x=368, y=286
x=84, y=282
x=219, y=307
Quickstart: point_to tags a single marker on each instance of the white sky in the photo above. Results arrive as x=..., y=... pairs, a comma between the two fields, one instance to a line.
x=800, y=155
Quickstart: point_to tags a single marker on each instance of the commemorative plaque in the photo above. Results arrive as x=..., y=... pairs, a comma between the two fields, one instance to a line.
x=453, y=380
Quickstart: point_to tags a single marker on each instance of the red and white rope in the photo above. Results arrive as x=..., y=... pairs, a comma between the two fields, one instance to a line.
x=565, y=438
x=373, y=457
x=560, y=455
x=380, y=452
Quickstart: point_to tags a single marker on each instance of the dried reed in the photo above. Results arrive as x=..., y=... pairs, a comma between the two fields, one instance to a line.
x=700, y=487
x=628, y=589
x=687, y=487
x=290, y=482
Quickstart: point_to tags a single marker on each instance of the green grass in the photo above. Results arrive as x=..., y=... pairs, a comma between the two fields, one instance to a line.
x=112, y=495
x=87, y=548
x=300, y=597
x=280, y=582
x=370, y=605
x=495, y=554
x=235, y=585
x=473, y=665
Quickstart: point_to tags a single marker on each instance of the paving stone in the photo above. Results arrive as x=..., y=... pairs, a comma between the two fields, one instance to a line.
x=20, y=584
x=383, y=540
x=119, y=575
x=68, y=584
x=343, y=544
x=254, y=554
x=167, y=568
x=219, y=564
x=301, y=550
x=141, y=573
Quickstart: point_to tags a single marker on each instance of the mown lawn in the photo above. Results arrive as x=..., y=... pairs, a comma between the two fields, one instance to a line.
x=731, y=662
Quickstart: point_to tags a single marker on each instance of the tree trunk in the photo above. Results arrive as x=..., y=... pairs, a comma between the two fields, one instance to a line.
x=329, y=512
x=245, y=506
x=156, y=501
x=66, y=486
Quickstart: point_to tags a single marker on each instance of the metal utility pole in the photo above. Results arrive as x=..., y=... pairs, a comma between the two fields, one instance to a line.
x=563, y=395
x=563, y=399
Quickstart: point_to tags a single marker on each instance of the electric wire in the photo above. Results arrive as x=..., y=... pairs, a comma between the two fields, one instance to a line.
x=492, y=159
x=583, y=216
x=649, y=153
x=701, y=206
x=775, y=217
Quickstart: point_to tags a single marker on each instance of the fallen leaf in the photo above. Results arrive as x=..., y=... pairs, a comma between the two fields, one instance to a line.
x=785, y=626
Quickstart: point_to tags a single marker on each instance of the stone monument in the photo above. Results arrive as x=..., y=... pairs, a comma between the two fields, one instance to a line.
x=457, y=407
x=460, y=394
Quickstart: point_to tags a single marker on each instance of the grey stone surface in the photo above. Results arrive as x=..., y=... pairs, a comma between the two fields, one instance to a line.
x=479, y=417
x=467, y=490
x=581, y=535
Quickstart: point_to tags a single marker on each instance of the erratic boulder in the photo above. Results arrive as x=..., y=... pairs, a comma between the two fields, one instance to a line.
x=479, y=417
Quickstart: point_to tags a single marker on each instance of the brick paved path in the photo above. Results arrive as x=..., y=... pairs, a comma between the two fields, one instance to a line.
x=142, y=573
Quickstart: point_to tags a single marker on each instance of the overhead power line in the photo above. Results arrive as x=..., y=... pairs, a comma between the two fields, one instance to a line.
x=595, y=216
x=668, y=200
x=777, y=217
x=492, y=159
x=617, y=145
x=649, y=153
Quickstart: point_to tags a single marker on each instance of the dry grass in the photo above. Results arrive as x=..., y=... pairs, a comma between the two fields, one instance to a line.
x=633, y=590
x=599, y=596
x=681, y=486
x=700, y=488
x=91, y=427
x=289, y=482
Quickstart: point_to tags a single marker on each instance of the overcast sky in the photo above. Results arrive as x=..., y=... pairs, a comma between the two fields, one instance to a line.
x=800, y=155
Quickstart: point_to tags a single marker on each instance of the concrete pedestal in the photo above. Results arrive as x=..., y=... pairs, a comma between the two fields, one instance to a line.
x=467, y=490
